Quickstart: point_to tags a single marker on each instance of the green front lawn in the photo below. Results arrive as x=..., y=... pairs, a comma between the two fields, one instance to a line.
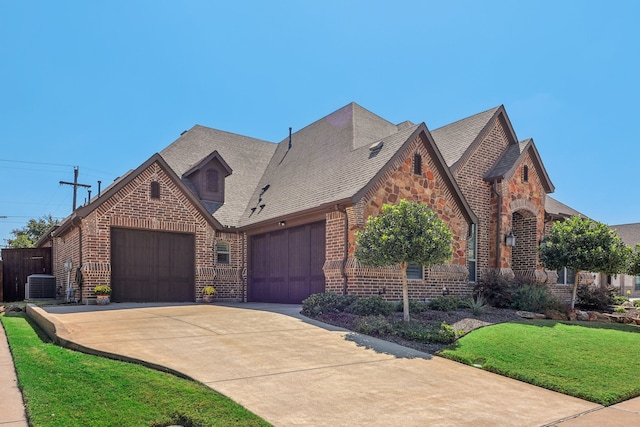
x=598, y=362
x=62, y=387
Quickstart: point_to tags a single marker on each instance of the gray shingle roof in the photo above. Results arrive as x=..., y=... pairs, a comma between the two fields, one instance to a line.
x=247, y=158
x=329, y=161
x=629, y=233
x=558, y=209
x=453, y=140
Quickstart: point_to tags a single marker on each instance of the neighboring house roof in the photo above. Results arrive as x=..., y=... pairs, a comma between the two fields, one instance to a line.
x=329, y=162
x=556, y=209
x=510, y=159
x=629, y=233
x=246, y=157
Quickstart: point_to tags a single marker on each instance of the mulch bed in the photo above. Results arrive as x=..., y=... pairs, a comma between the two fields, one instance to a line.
x=462, y=320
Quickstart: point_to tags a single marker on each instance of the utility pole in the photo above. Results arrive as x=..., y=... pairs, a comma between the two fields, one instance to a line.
x=75, y=185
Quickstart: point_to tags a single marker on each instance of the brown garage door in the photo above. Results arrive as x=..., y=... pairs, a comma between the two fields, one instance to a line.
x=152, y=266
x=285, y=266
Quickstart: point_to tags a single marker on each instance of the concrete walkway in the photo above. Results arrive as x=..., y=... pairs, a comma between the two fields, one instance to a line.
x=11, y=405
x=290, y=371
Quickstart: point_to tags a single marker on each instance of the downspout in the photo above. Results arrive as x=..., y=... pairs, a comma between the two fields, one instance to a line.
x=498, y=224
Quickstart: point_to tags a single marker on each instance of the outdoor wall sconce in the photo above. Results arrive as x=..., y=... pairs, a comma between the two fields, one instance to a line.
x=282, y=223
x=510, y=239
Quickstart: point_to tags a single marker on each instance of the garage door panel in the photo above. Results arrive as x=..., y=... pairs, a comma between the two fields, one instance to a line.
x=286, y=265
x=152, y=266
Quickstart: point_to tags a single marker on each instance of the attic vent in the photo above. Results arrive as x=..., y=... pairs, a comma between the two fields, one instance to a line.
x=155, y=190
x=525, y=173
x=378, y=145
x=417, y=164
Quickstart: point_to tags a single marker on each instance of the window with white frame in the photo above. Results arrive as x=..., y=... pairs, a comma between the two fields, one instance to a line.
x=223, y=253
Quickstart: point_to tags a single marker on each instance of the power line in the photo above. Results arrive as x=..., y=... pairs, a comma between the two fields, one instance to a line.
x=34, y=163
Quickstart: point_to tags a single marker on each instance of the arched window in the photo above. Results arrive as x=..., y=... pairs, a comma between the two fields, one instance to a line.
x=155, y=190
x=417, y=164
x=223, y=253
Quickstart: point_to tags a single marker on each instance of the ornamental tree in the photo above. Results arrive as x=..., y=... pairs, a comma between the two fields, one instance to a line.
x=583, y=245
x=633, y=266
x=403, y=234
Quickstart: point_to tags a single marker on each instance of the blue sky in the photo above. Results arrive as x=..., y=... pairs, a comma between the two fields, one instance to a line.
x=105, y=85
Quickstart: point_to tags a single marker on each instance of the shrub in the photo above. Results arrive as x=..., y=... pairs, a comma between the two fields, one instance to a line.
x=421, y=332
x=620, y=310
x=371, y=306
x=533, y=297
x=619, y=300
x=477, y=304
x=447, y=303
x=373, y=325
x=328, y=302
x=415, y=306
x=495, y=287
x=594, y=297
x=102, y=290
x=636, y=303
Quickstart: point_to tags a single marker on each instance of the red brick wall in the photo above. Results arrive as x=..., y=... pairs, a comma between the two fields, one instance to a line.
x=526, y=198
x=469, y=175
x=65, y=248
x=132, y=207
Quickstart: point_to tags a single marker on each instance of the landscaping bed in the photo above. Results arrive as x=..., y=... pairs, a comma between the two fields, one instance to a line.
x=462, y=321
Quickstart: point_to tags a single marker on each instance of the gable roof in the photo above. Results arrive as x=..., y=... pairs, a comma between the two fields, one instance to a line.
x=556, y=209
x=510, y=159
x=455, y=139
x=629, y=233
x=121, y=182
x=330, y=162
x=246, y=157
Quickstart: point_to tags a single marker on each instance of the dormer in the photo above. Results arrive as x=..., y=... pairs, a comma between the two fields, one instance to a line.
x=208, y=177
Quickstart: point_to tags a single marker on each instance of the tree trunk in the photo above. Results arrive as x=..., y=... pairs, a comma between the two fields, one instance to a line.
x=575, y=289
x=405, y=291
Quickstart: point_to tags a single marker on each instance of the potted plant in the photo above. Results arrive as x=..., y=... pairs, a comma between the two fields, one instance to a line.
x=103, y=294
x=207, y=293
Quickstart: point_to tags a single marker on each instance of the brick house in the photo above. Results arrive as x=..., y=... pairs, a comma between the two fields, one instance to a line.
x=276, y=222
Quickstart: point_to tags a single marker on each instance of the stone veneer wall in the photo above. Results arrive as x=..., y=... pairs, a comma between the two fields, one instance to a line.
x=399, y=182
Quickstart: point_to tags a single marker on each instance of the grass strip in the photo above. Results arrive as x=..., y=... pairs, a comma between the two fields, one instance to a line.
x=592, y=361
x=62, y=387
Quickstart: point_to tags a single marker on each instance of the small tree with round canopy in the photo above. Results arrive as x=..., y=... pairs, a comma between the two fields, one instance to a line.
x=403, y=234
x=583, y=245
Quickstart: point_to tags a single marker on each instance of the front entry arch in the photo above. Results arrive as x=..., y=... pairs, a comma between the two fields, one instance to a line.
x=524, y=255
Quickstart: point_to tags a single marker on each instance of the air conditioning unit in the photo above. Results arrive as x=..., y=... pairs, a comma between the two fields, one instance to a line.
x=40, y=286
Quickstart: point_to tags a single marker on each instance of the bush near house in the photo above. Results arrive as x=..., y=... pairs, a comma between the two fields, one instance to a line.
x=593, y=297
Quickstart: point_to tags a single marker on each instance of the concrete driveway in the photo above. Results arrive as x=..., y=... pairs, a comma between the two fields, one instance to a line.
x=290, y=371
